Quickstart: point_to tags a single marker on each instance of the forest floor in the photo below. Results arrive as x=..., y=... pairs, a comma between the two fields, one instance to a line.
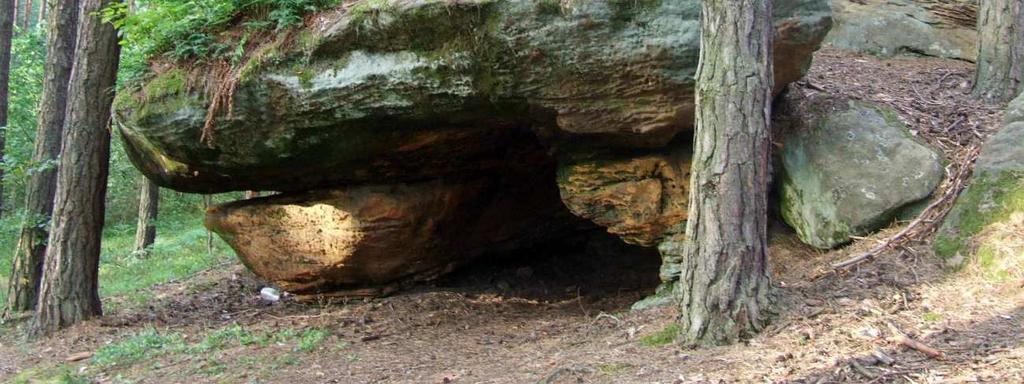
x=566, y=319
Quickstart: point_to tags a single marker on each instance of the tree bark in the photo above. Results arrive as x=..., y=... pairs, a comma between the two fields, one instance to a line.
x=207, y=203
x=69, y=290
x=149, y=208
x=7, y=10
x=43, y=7
x=27, y=23
x=724, y=286
x=23, y=288
x=999, y=74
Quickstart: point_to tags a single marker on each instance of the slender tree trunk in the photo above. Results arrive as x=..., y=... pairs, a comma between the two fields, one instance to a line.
x=28, y=256
x=7, y=10
x=207, y=202
x=27, y=23
x=724, y=285
x=149, y=208
x=999, y=74
x=69, y=290
x=44, y=6
x=28, y=269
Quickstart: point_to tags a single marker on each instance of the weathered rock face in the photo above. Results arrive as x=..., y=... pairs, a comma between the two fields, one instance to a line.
x=940, y=28
x=416, y=90
x=637, y=197
x=365, y=238
x=847, y=167
x=994, y=198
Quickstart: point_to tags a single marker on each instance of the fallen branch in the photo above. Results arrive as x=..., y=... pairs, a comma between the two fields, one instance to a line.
x=901, y=338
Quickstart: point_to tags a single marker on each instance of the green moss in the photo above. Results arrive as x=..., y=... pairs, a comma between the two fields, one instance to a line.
x=548, y=7
x=663, y=337
x=989, y=199
x=166, y=84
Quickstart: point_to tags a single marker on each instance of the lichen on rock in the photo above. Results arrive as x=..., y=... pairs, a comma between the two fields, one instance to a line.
x=848, y=167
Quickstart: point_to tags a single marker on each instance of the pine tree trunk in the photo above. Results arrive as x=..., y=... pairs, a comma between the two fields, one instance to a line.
x=28, y=15
x=7, y=10
x=207, y=203
x=999, y=73
x=43, y=7
x=724, y=287
x=28, y=256
x=149, y=208
x=69, y=290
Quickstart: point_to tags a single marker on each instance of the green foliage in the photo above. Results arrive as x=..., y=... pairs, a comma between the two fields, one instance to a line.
x=190, y=29
x=146, y=344
x=311, y=339
x=665, y=336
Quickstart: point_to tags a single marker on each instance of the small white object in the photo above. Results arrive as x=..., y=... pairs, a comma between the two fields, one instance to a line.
x=270, y=294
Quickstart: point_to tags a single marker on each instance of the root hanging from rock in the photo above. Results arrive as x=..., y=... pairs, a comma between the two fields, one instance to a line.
x=222, y=97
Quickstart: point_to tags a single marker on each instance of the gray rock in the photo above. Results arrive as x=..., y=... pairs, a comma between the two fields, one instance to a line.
x=408, y=90
x=848, y=167
x=994, y=195
x=889, y=27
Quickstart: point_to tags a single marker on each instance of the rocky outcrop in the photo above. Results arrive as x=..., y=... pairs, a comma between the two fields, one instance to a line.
x=638, y=197
x=940, y=28
x=411, y=90
x=993, y=202
x=848, y=167
x=363, y=239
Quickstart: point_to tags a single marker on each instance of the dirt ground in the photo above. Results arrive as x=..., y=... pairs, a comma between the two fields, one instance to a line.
x=561, y=315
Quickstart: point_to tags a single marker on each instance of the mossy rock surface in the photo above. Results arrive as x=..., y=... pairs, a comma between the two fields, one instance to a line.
x=994, y=195
x=848, y=167
x=412, y=90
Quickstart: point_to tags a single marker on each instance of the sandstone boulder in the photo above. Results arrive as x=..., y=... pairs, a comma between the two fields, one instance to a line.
x=363, y=239
x=940, y=28
x=639, y=197
x=411, y=90
x=987, y=220
x=848, y=167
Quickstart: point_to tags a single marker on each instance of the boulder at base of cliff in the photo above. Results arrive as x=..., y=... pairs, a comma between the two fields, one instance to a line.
x=986, y=225
x=361, y=240
x=848, y=167
x=639, y=196
x=889, y=27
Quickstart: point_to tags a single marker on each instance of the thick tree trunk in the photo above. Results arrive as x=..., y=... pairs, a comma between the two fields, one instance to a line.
x=999, y=75
x=149, y=207
x=68, y=293
x=724, y=285
x=28, y=256
x=7, y=11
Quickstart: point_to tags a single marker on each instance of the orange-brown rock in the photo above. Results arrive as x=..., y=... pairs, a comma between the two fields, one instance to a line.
x=368, y=236
x=638, y=197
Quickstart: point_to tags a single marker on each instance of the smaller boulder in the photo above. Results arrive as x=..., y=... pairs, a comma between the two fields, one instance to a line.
x=848, y=167
x=636, y=197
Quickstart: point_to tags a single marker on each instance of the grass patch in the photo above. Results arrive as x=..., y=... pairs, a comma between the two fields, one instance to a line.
x=665, y=336
x=57, y=374
x=312, y=339
x=144, y=345
x=931, y=317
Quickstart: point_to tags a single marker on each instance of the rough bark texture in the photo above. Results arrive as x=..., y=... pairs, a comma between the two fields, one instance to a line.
x=7, y=9
x=724, y=287
x=1000, y=70
x=68, y=293
x=149, y=207
x=28, y=256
